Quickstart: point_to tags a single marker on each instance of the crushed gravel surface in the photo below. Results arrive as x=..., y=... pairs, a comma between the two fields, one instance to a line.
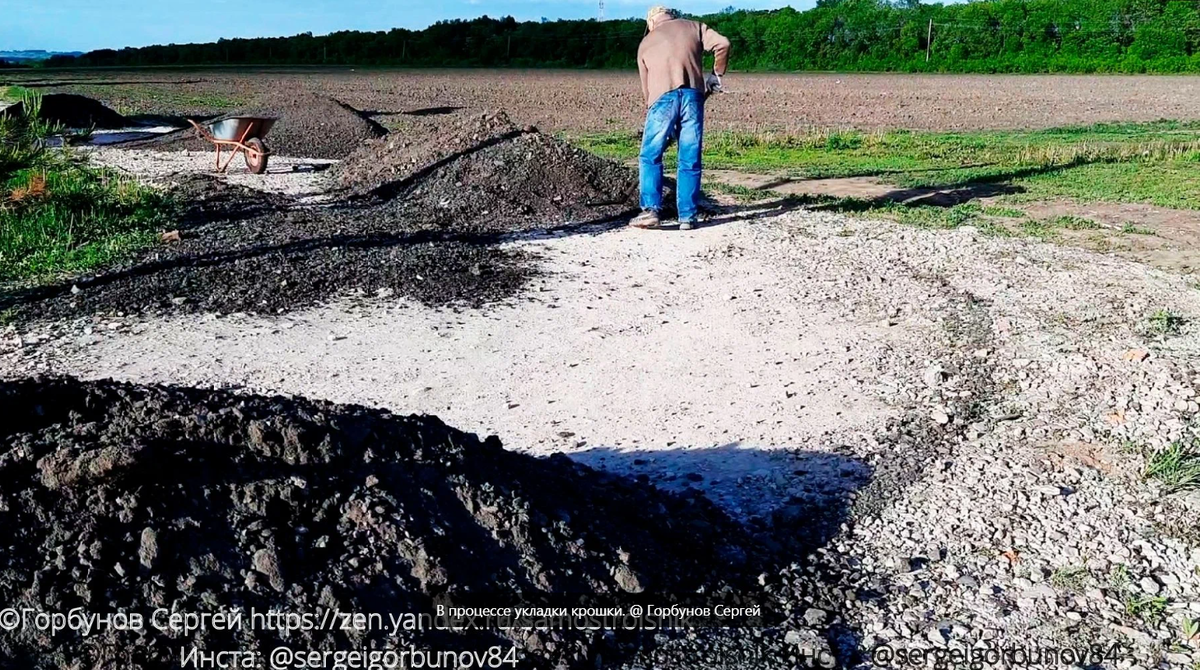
x=306, y=179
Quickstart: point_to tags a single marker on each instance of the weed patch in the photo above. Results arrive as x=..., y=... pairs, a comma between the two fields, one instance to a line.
x=1070, y=578
x=60, y=215
x=1176, y=468
x=1165, y=322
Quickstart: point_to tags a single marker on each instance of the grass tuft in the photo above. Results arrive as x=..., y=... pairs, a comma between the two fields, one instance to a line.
x=1133, y=229
x=1176, y=468
x=1070, y=578
x=1150, y=609
x=60, y=215
x=1165, y=322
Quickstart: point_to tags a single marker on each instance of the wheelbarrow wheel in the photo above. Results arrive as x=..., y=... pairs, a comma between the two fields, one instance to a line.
x=256, y=155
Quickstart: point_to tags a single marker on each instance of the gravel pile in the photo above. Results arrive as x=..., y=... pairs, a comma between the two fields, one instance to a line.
x=420, y=144
x=128, y=498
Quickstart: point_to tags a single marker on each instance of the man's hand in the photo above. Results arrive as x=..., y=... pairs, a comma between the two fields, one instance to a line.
x=712, y=83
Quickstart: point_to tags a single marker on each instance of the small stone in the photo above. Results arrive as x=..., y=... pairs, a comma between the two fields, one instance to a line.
x=810, y=644
x=1136, y=636
x=266, y=562
x=815, y=617
x=629, y=580
x=1136, y=355
x=939, y=415
x=1150, y=586
x=1042, y=591
x=933, y=376
x=969, y=582
x=148, y=548
x=75, y=290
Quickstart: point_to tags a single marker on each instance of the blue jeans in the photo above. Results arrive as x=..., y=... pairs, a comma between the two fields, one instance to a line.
x=677, y=115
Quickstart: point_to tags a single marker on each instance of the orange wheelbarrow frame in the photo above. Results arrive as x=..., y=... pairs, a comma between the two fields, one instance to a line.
x=240, y=135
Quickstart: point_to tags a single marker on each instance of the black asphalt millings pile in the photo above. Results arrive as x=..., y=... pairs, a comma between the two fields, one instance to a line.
x=124, y=498
x=74, y=111
x=420, y=144
x=309, y=126
x=243, y=251
x=431, y=232
x=484, y=174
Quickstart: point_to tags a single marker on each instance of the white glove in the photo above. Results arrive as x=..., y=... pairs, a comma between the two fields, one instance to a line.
x=712, y=82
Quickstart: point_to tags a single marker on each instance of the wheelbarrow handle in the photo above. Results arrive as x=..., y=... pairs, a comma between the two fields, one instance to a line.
x=201, y=130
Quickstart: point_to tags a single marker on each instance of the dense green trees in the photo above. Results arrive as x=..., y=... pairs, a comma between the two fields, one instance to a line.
x=979, y=36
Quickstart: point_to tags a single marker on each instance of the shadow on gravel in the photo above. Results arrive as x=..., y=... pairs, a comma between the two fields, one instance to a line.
x=776, y=490
x=752, y=212
x=431, y=111
x=367, y=117
x=795, y=502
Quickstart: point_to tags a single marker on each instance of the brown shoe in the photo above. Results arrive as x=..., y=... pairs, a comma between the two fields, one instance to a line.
x=647, y=219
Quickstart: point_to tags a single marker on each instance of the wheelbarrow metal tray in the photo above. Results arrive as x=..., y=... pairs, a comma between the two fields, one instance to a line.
x=241, y=128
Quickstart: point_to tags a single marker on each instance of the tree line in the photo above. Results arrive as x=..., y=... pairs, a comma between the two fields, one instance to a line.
x=848, y=35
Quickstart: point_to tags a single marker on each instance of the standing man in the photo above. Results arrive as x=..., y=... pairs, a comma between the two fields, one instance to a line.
x=670, y=60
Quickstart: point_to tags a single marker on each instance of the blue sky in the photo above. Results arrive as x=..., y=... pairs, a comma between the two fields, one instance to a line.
x=82, y=25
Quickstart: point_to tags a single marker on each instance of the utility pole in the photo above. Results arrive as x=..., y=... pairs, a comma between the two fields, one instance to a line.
x=929, y=41
x=508, y=50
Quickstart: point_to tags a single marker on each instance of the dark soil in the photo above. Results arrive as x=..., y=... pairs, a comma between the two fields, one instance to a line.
x=309, y=126
x=123, y=498
x=75, y=111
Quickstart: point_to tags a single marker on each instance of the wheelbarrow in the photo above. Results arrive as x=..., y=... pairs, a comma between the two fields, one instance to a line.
x=240, y=134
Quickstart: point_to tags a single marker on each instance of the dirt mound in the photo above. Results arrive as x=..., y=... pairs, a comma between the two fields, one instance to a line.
x=309, y=126
x=123, y=498
x=483, y=173
x=74, y=111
